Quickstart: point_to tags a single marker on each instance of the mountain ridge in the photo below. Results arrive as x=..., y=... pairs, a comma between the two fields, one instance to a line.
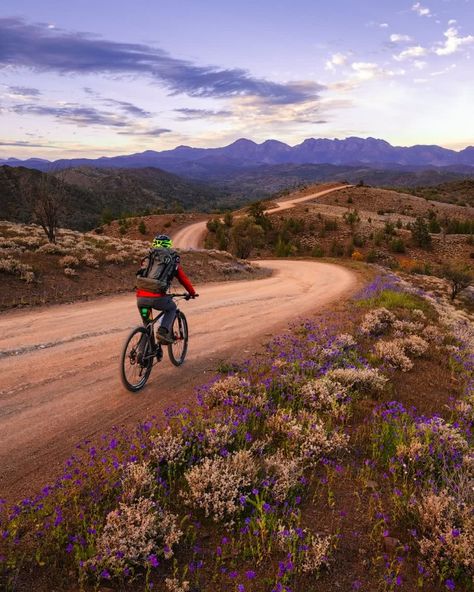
x=351, y=151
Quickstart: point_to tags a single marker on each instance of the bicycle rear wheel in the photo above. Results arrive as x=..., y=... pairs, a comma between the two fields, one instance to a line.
x=177, y=350
x=136, y=360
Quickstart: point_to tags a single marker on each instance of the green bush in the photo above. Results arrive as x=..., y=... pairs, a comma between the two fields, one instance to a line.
x=397, y=245
x=318, y=251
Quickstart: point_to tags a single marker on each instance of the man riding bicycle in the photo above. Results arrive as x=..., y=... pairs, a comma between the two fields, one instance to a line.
x=158, y=269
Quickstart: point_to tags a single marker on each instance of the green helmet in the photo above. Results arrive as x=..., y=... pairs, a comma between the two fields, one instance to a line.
x=162, y=241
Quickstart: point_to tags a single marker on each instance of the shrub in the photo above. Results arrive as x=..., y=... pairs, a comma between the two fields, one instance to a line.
x=459, y=276
x=69, y=261
x=397, y=245
x=357, y=256
x=142, y=227
x=420, y=233
x=377, y=322
x=317, y=251
x=216, y=485
x=16, y=267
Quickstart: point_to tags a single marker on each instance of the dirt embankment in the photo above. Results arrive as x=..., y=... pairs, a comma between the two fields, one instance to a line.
x=84, y=266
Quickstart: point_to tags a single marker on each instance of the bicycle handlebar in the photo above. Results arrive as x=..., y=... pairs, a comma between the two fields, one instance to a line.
x=186, y=295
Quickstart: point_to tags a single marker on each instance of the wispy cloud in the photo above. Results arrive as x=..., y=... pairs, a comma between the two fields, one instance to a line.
x=416, y=51
x=191, y=114
x=72, y=113
x=421, y=10
x=337, y=59
x=24, y=91
x=128, y=108
x=453, y=42
x=151, y=133
x=39, y=48
x=22, y=144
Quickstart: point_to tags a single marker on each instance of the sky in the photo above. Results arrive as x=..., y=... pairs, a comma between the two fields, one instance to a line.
x=106, y=77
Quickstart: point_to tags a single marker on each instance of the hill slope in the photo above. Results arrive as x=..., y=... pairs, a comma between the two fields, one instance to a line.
x=86, y=192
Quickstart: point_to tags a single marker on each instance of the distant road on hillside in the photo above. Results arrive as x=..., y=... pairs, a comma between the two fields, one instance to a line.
x=192, y=236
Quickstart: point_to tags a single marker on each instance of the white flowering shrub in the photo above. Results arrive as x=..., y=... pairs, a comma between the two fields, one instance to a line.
x=89, y=260
x=232, y=389
x=359, y=379
x=217, y=437
x=128, y=537
x=377, y=321
x=216, y=484
x=116, y=258
x=52, y=249
x=69, y=261
x=70, y=272
x=284, y=473
x=324, y=394
x=15, y=267
x=167, y=446
x=138, y=481
x=316, y=554
x=395, y=352
x=447, y=531
x=402, y=328
x=175, y=585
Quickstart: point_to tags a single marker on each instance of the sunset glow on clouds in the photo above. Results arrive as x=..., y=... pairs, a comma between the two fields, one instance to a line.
x=111, y=77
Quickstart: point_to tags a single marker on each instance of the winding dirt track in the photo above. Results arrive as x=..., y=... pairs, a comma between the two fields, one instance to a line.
x=192, y=236
x=59, y=380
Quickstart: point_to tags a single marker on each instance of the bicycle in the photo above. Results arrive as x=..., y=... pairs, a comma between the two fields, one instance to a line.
x=141, y=350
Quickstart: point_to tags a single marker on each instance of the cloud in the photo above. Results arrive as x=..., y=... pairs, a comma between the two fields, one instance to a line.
x=416, y=51
x=22, y=144
x=397, y=38
x=24, y=91
x=365, y=70
x=190, y=114
x=421, y=10
x=337, y=59
x=42, y=49
x=153, y=133
x=128, y=108
x=383, y=25
x=73, y=113
x=453, y=42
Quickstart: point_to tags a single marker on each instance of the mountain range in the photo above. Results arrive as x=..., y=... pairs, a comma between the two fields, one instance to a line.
x=206, y=163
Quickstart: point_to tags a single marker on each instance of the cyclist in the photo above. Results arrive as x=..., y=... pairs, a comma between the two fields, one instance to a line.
x=149, y=296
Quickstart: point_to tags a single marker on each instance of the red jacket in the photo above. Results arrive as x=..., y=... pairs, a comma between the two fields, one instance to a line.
x=182, y=279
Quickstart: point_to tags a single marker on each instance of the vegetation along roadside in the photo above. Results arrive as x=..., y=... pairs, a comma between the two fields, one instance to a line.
x=342, y=455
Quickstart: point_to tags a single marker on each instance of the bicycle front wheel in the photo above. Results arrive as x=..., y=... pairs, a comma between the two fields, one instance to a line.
x=177, y=350
x=137, y=360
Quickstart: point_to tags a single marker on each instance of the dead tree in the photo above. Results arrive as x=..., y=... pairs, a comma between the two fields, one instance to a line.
x=48, y=197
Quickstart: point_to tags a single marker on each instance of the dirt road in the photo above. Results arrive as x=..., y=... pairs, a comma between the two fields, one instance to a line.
x=59, y=365
x=192, y=236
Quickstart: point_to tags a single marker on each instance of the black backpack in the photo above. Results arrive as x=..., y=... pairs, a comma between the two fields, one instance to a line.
x=159, y=272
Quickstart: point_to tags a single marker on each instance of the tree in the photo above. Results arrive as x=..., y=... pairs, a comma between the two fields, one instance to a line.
x=459, y=276
x=48, y=206
x=420, y=233
x=257, y=211
x=352, y=218
x=228, y=219
x=246, y=235
x=142, y=227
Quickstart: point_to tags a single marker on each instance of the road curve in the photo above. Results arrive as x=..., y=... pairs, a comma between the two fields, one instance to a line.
x=59, y=365
x=192, y=236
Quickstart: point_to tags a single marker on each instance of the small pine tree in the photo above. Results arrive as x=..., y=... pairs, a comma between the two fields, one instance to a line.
x=420, y=233
x=142, y=227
